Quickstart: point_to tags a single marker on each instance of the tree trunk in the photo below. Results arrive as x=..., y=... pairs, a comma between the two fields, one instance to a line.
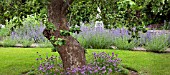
x=72, y=54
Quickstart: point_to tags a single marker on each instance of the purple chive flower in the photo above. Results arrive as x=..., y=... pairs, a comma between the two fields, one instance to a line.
x=95, y=71
x=115, y=64
x=110, y=70
x=83, y=72
x=112, y=54
x=91, y=72
x=74, y=70
x=104, y=71
x=115, y=69
x=99, y=68
x=103, y=68
x=41, y=68
x=68, y=73
x=94, y=54
x=37, y=59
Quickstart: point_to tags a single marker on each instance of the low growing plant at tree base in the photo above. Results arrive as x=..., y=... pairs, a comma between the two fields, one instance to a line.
x=101, y=64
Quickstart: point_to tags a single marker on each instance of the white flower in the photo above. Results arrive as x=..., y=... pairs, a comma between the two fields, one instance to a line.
x=2, y=26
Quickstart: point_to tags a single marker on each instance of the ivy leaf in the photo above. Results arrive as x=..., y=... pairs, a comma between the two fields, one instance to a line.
x=60, y=43
x=52, y=38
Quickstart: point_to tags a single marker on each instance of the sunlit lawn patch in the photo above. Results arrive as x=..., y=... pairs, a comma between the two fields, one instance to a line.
x=14, y=61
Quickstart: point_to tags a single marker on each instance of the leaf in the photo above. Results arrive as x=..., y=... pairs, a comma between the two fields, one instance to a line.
x=52, y=38
x=60, y=43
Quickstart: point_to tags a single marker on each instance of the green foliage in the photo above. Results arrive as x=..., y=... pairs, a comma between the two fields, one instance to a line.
x=74, y=29
x=45, y=44
x=31, y=30
x=25, y=42
x=57, y=42
x=122, y=43
x=166, y=25
x=4, y=32
x=65, y=33
x=52, y=38
x=60, y=42
x=81, y=10
x=95, y=41
x=158, y=9
x=7, y=30
x=118, y=13
x=49, y=25
x=20, y=8
x=33, y=19
x=29, y=33
x=124, y=14
x=157, y=43
x=9, y=42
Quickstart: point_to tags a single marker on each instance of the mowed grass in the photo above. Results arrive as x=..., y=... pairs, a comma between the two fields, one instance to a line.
x=15, y=61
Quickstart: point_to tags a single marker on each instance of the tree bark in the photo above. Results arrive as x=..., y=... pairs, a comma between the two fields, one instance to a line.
x=72, y=54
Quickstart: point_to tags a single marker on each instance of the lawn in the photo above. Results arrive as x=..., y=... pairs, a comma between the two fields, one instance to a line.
x=14, y=61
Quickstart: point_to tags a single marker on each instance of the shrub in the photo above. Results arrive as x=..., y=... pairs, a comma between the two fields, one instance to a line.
x=32, y=29
x=156, y=42
x=9, y=42
x=101, y=38
x=121, y=37
x=122, y=43
x=102, y=64
x=4, y=32
x=97, y=38
x=26, y=43
x=45, y=43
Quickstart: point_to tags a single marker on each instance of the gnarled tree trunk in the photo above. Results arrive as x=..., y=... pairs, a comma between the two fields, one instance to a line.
x=72, y=54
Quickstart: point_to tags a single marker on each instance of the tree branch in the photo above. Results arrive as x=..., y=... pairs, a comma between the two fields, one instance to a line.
x=66, y=5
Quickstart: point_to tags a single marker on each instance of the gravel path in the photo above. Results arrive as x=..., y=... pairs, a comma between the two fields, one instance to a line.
x=143, y=49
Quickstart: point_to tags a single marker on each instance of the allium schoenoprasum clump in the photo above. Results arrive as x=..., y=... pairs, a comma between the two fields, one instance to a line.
x=49, y=65
x=156, y=41
x=101, y=64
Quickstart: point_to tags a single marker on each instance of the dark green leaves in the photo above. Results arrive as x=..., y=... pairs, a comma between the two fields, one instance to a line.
x=52, y=38
x=50, y=26
x=74, y=29
x=60, y=42
x=65, y=33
